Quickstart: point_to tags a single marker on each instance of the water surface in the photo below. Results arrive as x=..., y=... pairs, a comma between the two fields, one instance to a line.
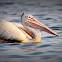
x=48, y=12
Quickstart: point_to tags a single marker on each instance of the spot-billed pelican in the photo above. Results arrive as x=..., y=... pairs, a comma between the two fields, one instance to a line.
x=26, y=32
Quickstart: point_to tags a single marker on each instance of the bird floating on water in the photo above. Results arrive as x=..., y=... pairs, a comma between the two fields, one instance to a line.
x=26, y=32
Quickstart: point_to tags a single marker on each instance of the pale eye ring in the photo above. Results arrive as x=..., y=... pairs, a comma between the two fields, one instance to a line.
x=29, y=17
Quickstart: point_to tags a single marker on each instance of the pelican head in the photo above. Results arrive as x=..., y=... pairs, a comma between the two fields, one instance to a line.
x=29, y=20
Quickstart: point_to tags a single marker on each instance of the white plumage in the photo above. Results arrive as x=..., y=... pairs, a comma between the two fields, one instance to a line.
x=9, y=31
x=26, y=32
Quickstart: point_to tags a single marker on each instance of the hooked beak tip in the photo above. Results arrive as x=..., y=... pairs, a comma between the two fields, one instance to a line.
x=58, y=35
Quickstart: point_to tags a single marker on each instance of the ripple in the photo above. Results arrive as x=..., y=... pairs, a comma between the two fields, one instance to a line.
x=43, y=6
x=4, y=49
x=36, y=53
x=27, y=45
x=13, y=14
x=6, y=3
x=48, y=56
x=15, y=20
x=49, y=37
x=39, y=15
x=56, y=28
x=59, y=32
x=59, y=58
x=29, y=4
x=9, y=44
x=59, y=9
x=47, y=18
x=42, y=46
x=3, y=12
x=54, y=51
x=1, y=45
x=4, y=44
x=59, y=61
x=12, y=44
x=13, y=56
x=59, y=4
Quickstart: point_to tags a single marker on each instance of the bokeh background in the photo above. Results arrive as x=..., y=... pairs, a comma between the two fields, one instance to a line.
x=48, y=12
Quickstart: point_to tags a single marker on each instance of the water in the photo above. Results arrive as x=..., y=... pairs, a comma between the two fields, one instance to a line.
x=48, y=12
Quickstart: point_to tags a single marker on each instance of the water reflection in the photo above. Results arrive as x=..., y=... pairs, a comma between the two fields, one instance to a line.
x=30, y=49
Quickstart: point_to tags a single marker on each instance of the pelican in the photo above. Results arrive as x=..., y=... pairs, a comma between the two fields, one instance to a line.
x=27, y=32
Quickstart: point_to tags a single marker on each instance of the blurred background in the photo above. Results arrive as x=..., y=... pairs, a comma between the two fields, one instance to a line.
x=49, y=12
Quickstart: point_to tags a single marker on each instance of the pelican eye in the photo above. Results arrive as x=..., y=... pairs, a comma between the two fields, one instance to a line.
x=29, y=17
